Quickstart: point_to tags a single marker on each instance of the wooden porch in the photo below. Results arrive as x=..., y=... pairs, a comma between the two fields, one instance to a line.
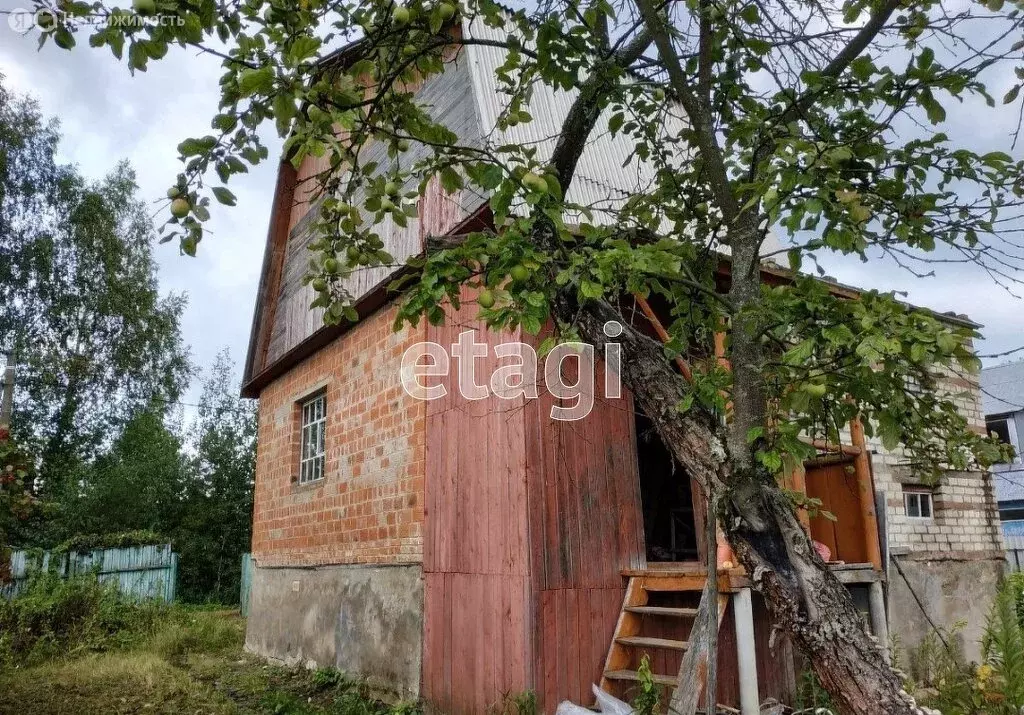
x=659, y=610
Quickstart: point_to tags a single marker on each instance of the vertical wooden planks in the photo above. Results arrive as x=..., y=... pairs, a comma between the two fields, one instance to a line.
x=838, y=490
x=477, y=560
x=530, y=522
x=585, y=526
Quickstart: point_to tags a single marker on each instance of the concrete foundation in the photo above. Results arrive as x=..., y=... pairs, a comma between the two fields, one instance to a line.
x=362, y=620
x=953, y=592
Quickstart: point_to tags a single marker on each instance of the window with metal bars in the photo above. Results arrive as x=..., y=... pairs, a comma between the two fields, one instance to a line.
x=314, y=432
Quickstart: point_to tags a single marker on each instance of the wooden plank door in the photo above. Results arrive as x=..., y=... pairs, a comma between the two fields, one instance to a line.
x=836, y=486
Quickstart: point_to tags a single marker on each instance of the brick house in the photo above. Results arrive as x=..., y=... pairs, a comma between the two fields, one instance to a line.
x=462, y=551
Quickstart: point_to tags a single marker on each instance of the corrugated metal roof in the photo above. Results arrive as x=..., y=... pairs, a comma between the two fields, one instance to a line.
x=1002, y=388
x=1008, y=480
x=608, y=171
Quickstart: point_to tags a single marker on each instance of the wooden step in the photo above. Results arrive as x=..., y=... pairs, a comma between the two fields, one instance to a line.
x=645, y=642
x=690, y=583
x=668, y=680
x=663, y=611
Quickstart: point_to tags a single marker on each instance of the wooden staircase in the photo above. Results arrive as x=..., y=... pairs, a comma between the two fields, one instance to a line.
x=658, y=608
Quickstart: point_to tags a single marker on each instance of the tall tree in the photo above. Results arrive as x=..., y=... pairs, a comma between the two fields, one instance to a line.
x=138, y=484
x=78, y=298
x=16, y=502
x=217, y=525
x=817, y=119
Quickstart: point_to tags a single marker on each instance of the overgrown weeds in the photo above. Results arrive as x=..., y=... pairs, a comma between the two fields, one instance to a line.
x=996, y=685
x=522, y=703
x=55, y=617
x=811, y=696
x=75, y=646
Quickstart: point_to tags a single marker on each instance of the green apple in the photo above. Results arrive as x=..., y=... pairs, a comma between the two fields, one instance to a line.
x=180, y=208
x=534, y=183
x=815, y=389
x=485, y=299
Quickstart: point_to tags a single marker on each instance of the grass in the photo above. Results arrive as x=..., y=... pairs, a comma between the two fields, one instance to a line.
x=174, y=660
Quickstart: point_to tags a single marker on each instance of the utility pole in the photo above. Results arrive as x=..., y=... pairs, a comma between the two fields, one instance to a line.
x=7, y=402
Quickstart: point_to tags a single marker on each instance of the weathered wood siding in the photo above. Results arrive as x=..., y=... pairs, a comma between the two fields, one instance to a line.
x=477, y=617
x=145, y=572
x=836, y=486
x=450, y=100
x=586, y=526
x=528, y=524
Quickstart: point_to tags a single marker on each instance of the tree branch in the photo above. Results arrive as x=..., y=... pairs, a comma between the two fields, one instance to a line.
x=582, y=116
x=698, y=112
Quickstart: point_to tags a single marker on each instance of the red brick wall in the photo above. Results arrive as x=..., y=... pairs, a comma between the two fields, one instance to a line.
x=369, y=506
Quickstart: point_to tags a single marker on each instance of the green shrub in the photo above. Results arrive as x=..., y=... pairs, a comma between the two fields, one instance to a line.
x=327, y=677
x=55, y=616
x=1015, y=584
x=648, y=695
x=996, y=686
x=811, y=697
x=83, y=543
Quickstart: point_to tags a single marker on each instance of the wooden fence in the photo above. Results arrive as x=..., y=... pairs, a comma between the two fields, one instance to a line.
x=1014, y=552
x=141, y=571
x=243, y=597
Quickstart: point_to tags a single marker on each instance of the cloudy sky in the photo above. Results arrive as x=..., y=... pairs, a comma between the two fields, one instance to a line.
x=107, y=115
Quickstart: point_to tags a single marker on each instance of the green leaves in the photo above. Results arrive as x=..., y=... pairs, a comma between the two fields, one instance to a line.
x=224, y=196
x=303, y=48
x=897, y=366
x=936, y=113
x=196, y=147
x=253, y=81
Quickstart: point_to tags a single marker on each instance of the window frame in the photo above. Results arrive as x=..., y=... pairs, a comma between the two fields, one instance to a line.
x=1010, y=425
x=920, y=495
x=312, y=438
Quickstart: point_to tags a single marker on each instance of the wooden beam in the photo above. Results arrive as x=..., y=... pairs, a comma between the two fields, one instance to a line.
x=799, y=485
x=652, y=318
x=628, y=624
x=825, y=446
x=866, y=492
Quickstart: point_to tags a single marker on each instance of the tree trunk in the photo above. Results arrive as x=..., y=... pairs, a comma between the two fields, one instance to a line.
x=805, y=599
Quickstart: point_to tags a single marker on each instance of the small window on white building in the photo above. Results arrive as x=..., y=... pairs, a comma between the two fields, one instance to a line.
x=918, y=502
x=313, y=436
x=1002, y=428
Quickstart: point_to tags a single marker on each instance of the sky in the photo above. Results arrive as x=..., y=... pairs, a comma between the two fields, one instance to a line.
x=107, y=115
